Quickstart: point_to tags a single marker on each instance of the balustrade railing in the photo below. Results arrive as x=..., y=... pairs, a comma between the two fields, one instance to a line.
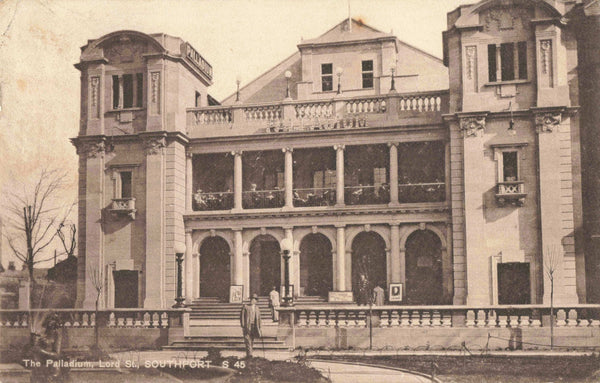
x=442, y=316
x=113, y=318
x=366, y=105
x=263, y=113
x=315, y=109
x=213, y=116
x=511, y=187
x=422, y=192
x=213, y=201
x=314, y=197
x=263, y=199
x=420, y=103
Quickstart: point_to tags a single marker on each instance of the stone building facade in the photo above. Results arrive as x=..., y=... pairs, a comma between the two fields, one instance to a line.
x=459, y=179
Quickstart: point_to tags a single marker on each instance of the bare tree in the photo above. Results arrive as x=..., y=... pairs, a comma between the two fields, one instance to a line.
x=551, y=263
x=32, y=217
x=69, y=243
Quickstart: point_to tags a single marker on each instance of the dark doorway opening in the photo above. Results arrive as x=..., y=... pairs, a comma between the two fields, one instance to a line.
x=214, y=268
x=126, y=288
x=368, y=259
x=424, y=283
x=514, y=286
x=316, y=269
x=265, y=265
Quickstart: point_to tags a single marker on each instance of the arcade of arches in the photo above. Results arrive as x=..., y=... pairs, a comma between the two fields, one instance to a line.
x=316, y=271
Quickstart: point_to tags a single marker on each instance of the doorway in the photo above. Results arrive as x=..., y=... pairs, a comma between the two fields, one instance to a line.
x=424, y=283
x=369, y=259
x=265, y=265
x=316, y=269
x=126, y=288
x=214, y=268
x=514, y=286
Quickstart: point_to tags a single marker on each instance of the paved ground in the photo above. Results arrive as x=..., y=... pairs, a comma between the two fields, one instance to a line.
x=352, y=373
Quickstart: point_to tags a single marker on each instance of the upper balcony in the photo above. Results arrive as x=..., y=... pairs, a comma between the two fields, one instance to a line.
x=339, y=113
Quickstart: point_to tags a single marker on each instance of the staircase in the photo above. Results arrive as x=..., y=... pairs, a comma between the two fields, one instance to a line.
x=214, y=309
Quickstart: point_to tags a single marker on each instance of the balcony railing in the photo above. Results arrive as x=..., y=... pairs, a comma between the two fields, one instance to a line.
x=314, y=197
x=338, y=113
x=422, y=192
x=511, y=192
x=263, y=199
x=518, y=316
x=123, y=206
x=367, y=194
x=213, y=201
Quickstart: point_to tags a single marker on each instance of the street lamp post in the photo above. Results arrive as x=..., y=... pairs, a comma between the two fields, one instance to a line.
x=286, y=249
x=338, y=72
x=288, y=75
x=179, y=251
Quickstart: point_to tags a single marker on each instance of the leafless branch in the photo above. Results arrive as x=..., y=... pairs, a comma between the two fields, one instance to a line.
x=12, y=19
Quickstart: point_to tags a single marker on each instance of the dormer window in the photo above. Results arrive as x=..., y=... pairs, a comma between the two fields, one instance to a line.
x=507, y=61
x=326, y=77
x=127, y=90
x=367, y=74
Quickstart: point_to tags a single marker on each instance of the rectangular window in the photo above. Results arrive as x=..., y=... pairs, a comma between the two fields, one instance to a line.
x=197, y=100
x=329, y=181
x=510, y=166
x=127, y=91
x=507, y=57
x=139, y=86
x=513, y=61
x=280, y=180
x=126, y=187
x=326, y=77
x=367, y=74
x=115, y=89
x=522, y=53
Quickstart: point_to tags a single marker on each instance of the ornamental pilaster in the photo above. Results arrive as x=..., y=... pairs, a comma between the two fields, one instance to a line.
x=472, y=126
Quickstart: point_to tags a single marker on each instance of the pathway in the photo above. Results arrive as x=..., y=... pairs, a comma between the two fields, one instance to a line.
x=340, y=372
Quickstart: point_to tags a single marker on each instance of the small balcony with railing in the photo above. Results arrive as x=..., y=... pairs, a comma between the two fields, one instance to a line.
x=339, y=113
x=123, y=206
x=511, y=192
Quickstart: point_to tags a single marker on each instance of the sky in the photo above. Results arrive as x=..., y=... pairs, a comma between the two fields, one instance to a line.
x=40, y=41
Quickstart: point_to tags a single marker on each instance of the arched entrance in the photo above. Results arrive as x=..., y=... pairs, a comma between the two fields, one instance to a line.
x=368, y=259
x=265, y=265
x=214, y=268
x=316, y=270
x=424, y=283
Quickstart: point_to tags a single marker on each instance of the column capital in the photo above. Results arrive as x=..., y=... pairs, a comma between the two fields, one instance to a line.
x=390, y=144
x=235, y=229
x=154, y=144
x=547, y=119
x=287, y=149
x=395, y=224
x=90, y=148
x=287, y=227
x=236, y=152
x=339, y=147
x=472, y=123
x=340, y=226
x=189, y=230
x=189, y=155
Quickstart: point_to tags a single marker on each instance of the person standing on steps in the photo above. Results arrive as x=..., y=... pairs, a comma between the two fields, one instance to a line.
x=250, y=322
x=274, y=304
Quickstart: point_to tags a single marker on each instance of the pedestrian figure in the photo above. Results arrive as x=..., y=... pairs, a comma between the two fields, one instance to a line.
x=274, y=304
x=363, y=290
x=250, y=321
x=378, y=296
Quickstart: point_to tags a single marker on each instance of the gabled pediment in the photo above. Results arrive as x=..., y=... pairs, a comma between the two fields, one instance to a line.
x=346, y=31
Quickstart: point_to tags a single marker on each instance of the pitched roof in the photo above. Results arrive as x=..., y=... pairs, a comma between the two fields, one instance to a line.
x=346, y=32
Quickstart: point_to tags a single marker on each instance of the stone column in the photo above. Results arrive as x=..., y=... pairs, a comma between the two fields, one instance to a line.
x=196, y=275
x=397, y=262
x=91, y=160
x=237, y=179
x=189, y=268
x=238, y=254
x=393, y=173
x=189, y=187
x=155, y=241
x=339, y=173
x=341, y=258
x=289, y=178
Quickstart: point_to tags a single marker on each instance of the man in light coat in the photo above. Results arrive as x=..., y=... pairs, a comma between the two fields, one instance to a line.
x=250, y=322
x=274, y=304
